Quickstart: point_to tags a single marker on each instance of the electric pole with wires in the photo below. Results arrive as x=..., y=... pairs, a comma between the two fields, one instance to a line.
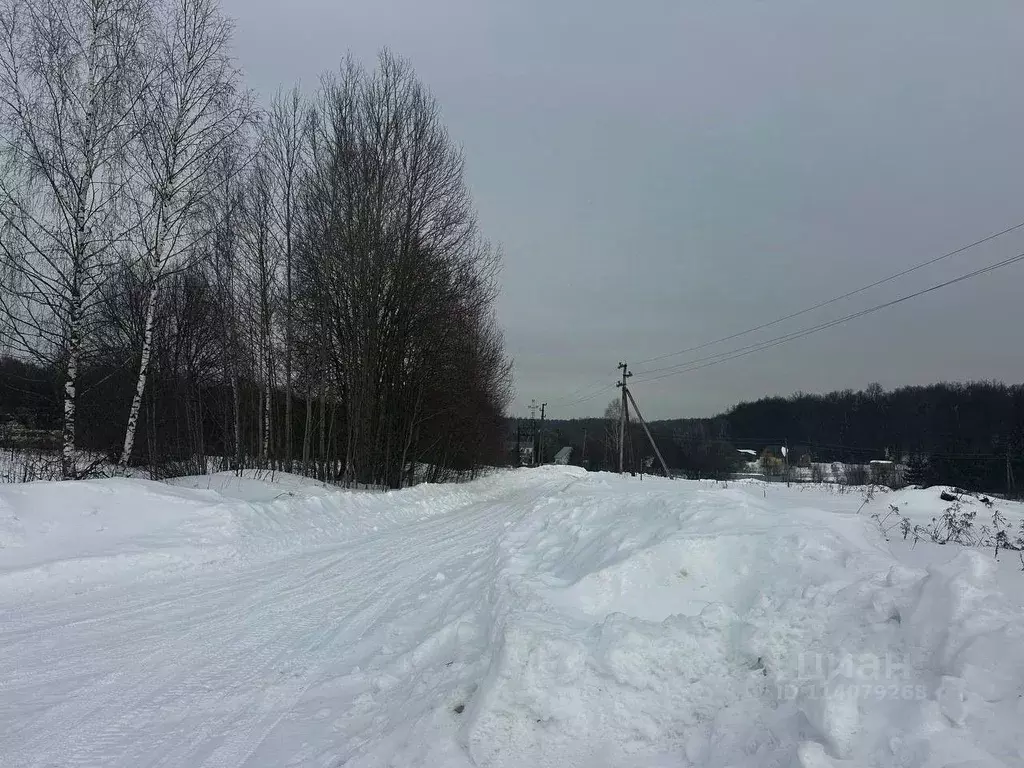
x=623, y=411
x=627, y=398
x=540, y=440
x=533, y=432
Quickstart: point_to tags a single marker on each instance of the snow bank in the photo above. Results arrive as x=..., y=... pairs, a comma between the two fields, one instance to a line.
x=68, y=536
x=532, y=618
x=922, y=505
x=72, y=534
x=711, y=628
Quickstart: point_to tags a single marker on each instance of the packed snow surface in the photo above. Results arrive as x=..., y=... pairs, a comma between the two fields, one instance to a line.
x=531, y=618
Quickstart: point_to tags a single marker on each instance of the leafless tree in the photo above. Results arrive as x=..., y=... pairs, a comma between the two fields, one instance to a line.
x=392, y=262
x=261, y=270
x=194, y=106
x=285, y=141
x=71, y=78
x=226, y=215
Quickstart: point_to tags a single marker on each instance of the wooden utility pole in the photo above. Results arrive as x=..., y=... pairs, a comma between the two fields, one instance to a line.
x=543, y=407
x=533, y=432
x=583, y=453
x=623, y=411
x=650, y=437
x=1009, y=473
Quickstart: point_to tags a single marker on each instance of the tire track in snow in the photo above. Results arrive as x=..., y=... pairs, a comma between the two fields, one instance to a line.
x=398, y=560
x=149, y=696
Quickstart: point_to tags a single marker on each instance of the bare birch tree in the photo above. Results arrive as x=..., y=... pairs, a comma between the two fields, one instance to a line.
x=225, y=213
x=70, y=79
x=194, y=106
x=262, y=259
x=285, y=142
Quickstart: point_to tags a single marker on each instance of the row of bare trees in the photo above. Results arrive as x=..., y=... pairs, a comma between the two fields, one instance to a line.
x=302, y=286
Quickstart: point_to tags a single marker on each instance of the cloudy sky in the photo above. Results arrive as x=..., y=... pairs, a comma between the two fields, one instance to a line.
x=663, y=173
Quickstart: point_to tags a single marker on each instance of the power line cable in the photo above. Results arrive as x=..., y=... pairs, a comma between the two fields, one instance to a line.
x=581, y=394
x=833, y=300
x=693, y=365
x=580, y=390
x=598, y=393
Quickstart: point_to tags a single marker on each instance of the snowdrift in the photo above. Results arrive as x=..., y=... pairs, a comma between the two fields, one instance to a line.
x=533, y=618
x=61, y=535
x=728, y=633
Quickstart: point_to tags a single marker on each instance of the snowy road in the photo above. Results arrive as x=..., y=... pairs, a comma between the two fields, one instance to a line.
x=211, y=669
x=544, y=618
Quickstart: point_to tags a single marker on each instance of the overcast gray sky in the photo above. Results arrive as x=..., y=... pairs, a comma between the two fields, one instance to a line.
x=662, y=173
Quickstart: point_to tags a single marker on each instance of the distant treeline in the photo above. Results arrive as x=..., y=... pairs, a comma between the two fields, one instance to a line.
x=960, y=434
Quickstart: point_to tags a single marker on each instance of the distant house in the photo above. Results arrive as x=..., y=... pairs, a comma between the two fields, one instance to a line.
x=884, y=472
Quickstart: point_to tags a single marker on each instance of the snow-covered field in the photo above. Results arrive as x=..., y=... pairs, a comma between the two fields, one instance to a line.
x=533, y=618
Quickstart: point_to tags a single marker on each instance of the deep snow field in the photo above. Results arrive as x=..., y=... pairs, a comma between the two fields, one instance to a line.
x=533, y=618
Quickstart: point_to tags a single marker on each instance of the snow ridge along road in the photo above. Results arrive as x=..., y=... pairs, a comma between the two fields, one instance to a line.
x=533, y=618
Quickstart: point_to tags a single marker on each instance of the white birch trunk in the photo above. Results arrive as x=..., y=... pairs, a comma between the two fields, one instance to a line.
x=68, y=463
x=140, y=385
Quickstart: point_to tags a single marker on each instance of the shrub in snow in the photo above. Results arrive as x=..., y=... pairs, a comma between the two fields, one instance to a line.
x=957, y=525
x=891, y=520
x=867, y=497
